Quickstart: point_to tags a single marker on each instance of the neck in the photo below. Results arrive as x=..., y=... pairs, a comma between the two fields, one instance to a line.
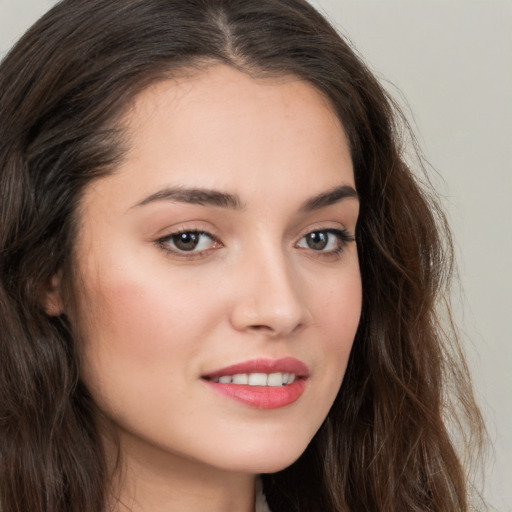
x=152, y=481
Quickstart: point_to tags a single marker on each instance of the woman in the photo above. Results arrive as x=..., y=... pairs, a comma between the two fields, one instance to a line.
x=217, y=271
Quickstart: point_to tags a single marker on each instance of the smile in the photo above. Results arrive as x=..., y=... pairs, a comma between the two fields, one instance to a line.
x=261, y=383
x=257, y=379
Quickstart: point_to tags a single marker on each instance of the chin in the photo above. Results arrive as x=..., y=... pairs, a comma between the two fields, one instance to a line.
x=274, y=466
x=269, y=459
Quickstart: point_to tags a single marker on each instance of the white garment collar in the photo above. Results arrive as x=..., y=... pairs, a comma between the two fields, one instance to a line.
x=261, y=502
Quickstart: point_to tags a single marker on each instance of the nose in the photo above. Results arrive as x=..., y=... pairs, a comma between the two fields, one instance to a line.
x=269, y=299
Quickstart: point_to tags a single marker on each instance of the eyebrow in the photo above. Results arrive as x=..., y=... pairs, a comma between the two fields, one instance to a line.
x=207, y=197
x=200, y=196
x=329, y=198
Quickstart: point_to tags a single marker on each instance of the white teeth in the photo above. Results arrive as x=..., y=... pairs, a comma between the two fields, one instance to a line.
x=275, y=380
x=257, y=379
x=240, y=378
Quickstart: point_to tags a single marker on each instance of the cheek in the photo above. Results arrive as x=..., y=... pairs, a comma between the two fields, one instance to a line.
x=337, y=315
x=138, y=329
x=338, y=308
x=131, y=305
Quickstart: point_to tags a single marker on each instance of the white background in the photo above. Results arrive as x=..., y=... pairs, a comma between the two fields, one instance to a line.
x=452, y=60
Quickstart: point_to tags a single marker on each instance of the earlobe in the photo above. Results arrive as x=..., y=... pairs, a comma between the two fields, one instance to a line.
x=53, y=303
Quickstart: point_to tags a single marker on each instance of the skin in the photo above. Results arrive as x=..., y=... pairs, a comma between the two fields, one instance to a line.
x=153, y=320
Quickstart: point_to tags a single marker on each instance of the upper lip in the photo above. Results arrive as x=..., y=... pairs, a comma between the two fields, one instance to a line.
x=284, y=365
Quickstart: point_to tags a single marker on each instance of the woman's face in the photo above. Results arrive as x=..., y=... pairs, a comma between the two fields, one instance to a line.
x=225, y=237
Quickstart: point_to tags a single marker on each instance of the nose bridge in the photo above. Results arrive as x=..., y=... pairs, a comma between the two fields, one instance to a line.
x=269, y=294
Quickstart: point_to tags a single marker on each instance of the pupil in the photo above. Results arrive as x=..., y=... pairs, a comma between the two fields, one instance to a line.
x=317, y=240
x=186, y=241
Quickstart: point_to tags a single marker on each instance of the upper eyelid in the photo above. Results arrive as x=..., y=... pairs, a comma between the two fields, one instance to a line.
x=182, y=231
x=212, y=234
x=179, y=228
x=331, y=227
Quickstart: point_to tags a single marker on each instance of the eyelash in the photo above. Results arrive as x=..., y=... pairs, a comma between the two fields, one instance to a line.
x=164, y=243
x=342, y=235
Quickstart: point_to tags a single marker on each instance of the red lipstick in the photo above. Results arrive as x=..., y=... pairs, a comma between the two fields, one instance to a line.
x=261, y=383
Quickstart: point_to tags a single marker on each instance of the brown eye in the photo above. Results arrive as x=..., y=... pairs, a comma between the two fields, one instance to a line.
x=317, y=240
x=328, y=241
x=188, y=241
x=325, y=240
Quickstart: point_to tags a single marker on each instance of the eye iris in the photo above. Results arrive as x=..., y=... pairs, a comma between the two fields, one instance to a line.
x=186, y=241
x=317, y=240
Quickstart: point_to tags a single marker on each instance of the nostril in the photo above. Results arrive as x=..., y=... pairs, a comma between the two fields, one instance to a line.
x=260, y=328
x=275, y=331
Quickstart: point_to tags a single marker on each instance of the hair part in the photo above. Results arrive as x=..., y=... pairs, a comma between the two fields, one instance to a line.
x=65, y=87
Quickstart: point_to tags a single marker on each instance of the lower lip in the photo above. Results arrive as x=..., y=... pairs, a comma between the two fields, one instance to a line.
x=261, y=397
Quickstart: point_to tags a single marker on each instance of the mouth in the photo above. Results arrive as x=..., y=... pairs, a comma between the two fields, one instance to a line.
x=257, y=379
x=261, y=383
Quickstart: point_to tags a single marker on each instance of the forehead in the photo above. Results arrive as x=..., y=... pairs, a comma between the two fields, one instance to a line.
x=227, y=113
x=220, y=128
x=217, y=82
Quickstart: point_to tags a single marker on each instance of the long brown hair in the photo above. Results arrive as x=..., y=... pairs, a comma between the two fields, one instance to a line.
x=384, y=445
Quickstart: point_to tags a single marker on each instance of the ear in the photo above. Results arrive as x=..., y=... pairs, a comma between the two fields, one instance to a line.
x=52, y=298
